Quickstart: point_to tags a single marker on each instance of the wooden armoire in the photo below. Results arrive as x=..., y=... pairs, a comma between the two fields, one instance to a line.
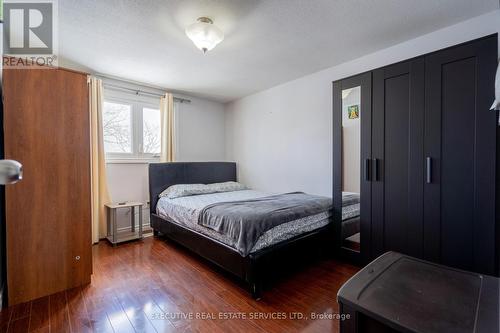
x=48, y=213
x=430, y=180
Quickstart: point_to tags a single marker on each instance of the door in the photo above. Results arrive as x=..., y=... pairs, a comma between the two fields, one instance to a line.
x=46, y=124
x=352, y=178
x=460, y=154
x=10, y=173
x=397, y=151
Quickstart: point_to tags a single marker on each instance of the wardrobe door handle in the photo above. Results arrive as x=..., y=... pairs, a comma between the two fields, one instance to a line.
x=367, y=169
x=375, y=169
x=428, y=164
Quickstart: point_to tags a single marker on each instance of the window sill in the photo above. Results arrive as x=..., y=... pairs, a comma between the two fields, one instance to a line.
x=132, y=160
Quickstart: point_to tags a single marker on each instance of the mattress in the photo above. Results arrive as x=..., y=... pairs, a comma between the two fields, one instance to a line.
x=350, y=205
x=185, y=211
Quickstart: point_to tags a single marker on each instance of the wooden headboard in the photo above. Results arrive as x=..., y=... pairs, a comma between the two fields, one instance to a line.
x=163, y=175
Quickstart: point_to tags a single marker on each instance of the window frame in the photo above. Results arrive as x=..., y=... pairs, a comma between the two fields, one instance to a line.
x=137, y=104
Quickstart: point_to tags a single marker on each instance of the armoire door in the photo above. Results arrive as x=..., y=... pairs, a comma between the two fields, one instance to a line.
x=352, y=181
x=46, y=122
x=397, y=152
x=460, y=154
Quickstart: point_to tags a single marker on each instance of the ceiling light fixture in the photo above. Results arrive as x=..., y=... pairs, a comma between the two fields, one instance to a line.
x=204, y=34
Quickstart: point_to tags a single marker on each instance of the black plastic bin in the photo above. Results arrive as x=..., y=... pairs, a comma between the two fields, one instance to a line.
x=398, y=293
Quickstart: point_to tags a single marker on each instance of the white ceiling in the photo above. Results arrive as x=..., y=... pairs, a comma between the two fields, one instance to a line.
x=267, y=42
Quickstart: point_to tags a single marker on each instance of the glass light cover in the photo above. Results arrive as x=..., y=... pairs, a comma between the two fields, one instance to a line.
x=204, y=35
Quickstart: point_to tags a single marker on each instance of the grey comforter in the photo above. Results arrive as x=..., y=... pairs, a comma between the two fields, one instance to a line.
x=245, y=221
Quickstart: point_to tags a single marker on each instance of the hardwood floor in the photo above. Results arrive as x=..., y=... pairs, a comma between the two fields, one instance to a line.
x=155, y=286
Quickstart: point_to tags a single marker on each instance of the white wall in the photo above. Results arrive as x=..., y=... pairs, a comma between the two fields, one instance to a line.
x=200, y=131
x=200, y=128
x=281, y=138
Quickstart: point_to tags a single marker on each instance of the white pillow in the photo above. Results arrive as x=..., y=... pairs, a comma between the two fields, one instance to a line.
x=226, y=187
x=184, y=190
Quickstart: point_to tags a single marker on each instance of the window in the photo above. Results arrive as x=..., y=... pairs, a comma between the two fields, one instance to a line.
x=131, y=129
x=117, y=128
x=151, y=131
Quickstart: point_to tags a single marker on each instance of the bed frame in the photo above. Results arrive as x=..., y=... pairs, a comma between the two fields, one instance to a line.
x=253, y=269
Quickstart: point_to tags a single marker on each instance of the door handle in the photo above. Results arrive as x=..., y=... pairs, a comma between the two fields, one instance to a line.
x=428, y=166
x=367, y=169
x=10, y=172
x=375, y=169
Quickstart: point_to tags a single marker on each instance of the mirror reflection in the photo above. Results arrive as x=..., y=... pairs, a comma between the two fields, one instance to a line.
x=351, y=165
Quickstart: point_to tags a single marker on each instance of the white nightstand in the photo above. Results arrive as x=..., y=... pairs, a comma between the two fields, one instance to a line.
x=115, y=236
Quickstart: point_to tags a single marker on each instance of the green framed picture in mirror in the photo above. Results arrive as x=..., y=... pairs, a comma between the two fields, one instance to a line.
x=353, y=111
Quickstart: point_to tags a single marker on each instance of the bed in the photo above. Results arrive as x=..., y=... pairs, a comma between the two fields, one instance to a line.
x=350, y=214
x=178, y=219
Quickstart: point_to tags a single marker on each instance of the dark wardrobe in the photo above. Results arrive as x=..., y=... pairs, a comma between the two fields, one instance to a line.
x=429, y=162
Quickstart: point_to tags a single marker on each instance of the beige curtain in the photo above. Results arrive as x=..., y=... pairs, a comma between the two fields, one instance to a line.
x=167, y=128
x=100, y=193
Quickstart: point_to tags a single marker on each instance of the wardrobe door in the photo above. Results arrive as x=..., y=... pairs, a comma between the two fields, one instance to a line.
x=460, y=155
x=352, y=116
x=397, y=150
x=46, y=121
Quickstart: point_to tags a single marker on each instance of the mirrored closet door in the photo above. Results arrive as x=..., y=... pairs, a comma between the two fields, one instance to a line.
x=352, y=163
